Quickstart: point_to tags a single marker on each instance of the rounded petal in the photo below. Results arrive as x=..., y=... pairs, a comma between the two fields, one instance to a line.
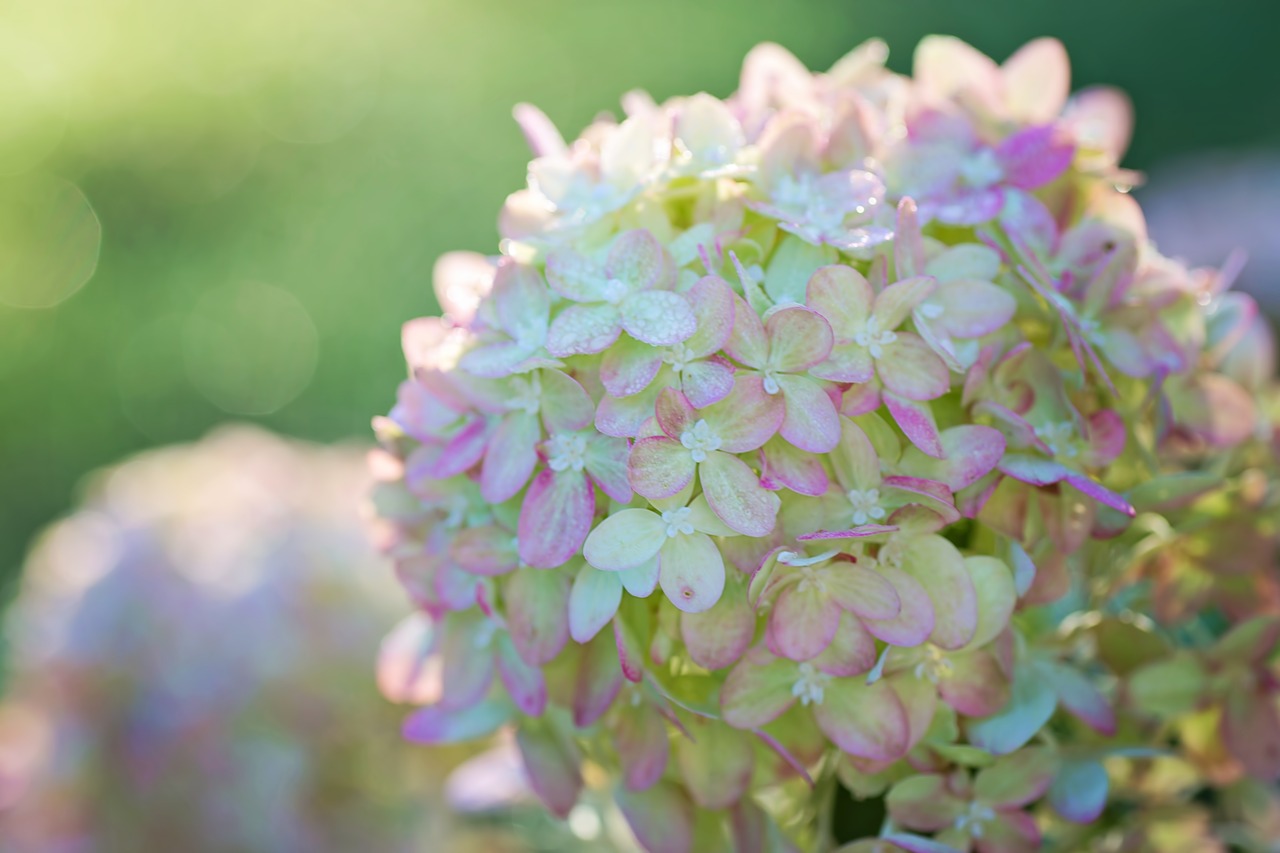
x=625, y=539
x=1031, y=704
x=489, y=550
x=852, y=650
x=628, y=367
x=896, y=302
x=912, y=370
x=810, y=420
x=717, y=638
x=861, y=591
x=969, y=453
x=538, y=614
x=551, y=764
x=1017, y=779
x=673, y=412
x=941, y=570
x=661, y=817
x=636, y=259
x=867, y=721
x=659, y=467
x=707, y=381
x=593, y=600
x=555, y=518
x=716, y=763
x=798, y=339
x=748, y=342
x=748, y=417
x=917, y=423
x=914, y=622
x=803, y=622
x=842, y=295
x=584, y=329
x=786, y=466
x=524, y=684
x=847, y=362
x=1037, y=80
x=996, y=594
x=971, y=309
x=641, y=580
x=640, y=736
x=659, y=318
x=735, y=495
x=564, y=404
x=758, y=690
x=510, y=458
x=1079, y=793
x=435, y=725
x=691, y=572
x=924, y=803
x=976, y=685
x=714, y=308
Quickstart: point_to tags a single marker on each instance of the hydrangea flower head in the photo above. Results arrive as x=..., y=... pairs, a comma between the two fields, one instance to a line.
x=848, y=430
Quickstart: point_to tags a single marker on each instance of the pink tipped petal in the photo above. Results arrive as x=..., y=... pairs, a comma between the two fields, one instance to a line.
x=1037, y=80
x=717, y=638
x=584, y=329
x=459, y=453
x=1033, y=157
x=592, y=602
x=896, y=302
x=788, y=467
x=468, y=677
x=628, y=367
x=908, y=245
x=1079, y=793
x=1106, y=437
x=798, y=339
x=940, y=569
x=714, y=308
x=522, y=301
x=626, y=539
x=1100, y=493
x=674, y=413
x=1082, y=697
x=661, y=817
x=915, y=620
x=977, y=686
x=538, y=614
x=748, y=343
x=658, y=317
x=843, y=296
x=524, y=683
x=659, y=467
x=624, y=417
x=510, y=458
x=551, y=765
x=487, y=550
x=606, y=462
x=748, y=417
x=855, y=461
x=969, y=452
x=434, y=725
x=924, y=803
x=640, y=736
x=735, y=495
x=707, y=381
x=803, y=622
x=758, y=690
x=852, y=650
x=810, y=419
x=861, y=591
x=636, y=259
x=1018, y=779
x=993, y=584
x=917, y=423
x=555, y=518
x=599, y=681
x=1102, y=119
x=565, y=405
x=576, y=277
x=864, y=720
x=855, y=533
x=716, y=765
x=971, y=309
x=1033, y=469
x=847, y=362
x=912, y=370
x=928, y=493
x=920, y=699
x=631, y=656
x=691, y=571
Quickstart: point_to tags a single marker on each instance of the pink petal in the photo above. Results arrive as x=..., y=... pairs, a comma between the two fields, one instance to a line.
x=798, y=339
x=555, y=518
x=636, y=258
x=969, y=452
x=465, y=674
x=863, y=720
x=458, y=454
x=919, y=698
x=758, y=690
x=1251, y=732
x=691, y=572
x=631, y=655
x=1082, y=698
x=1100, y=493
x=434, y=725
x=599, y=681
x=522, y=301
x=842, y=295
x=928, y=493
x=1102, y=119
x=584, y=329
x=525, y=684
x=716, y=764
x=915, y=620
x=624, y=417
x=852, y=650
x=940, y=569
x=658, y=317
x=917, y=423
x=847, y=362
x=803, y=622
x=674, y=413
x=977, y=686
x=628, y=367
x=896, y=302
x=565, y=405
x=640, y=736
x=748, y=342
x=1033, y=157
x=912, y=370
x=538, y=614
x=460, y=281
x=707, y=381
x=1037, y=80
x=1033, y=469
x=971, y=309
x=908, y=244
x=551, y=765
x=1011, y=832
x=787, y=467
x=1214, y=408
x=861, y=591
x=735, y=495
x=924, y=803
x=717, y=638
x=659, y=467
x=946, y=66
x=510, y=458
x=488, y=550
x=576, y=277
x=625, y=539
x=855, y=461
x=993, y=584
x=661, y=817
x=592, y=602
x=606, y=462
x=748, y=417
x=810, y=419
x=714, y=308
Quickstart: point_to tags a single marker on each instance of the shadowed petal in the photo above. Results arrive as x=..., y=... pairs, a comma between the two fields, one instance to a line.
x=510, y=457
x=555, y=518
x=636, y=259
x=940, y=569
x=789, y=467
x=861, y=591
x=734, y=494
x=714, y=308
x=896, y=302
x=864, y=720
x=661, y=817
x=435, y=725
x=551, y=764
x=606, y=462
x=758, y=690
x=803, y=622
x=748, y=342
x=538, y=614
x=1030, y=706
x=748, y=417
x=640, y=736
x=599, y=680
x=842, y=295
x=524, y=683
x=810, y=420
x=565, y=405
x=847, y=362
x=659, y=467
x=717, y=638
x=716, y=764
x=628, y=367
x=914, y=622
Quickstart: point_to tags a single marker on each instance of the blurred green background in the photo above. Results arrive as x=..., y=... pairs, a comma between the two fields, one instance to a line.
x=271, y=180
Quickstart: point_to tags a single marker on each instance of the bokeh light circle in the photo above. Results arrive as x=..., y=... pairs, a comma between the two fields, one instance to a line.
x=50, y=238
x=250, y=347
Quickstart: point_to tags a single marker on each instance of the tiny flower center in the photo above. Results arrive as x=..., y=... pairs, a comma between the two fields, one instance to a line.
x=811, y=686
x=935, y=666
x=677, y=521
x=700, y=440
x=866, y=505
x=811, y=578
x=975, y=819
x=567, y=452
x=771, y=385
x=982, y=169
x=615, y=290
x=873, y=338
x=526, y=394
x=1059, y=438
x=679, y=357
x=931, y=310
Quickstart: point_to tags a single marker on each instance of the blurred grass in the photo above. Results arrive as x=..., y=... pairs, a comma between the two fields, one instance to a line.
x=273, y=178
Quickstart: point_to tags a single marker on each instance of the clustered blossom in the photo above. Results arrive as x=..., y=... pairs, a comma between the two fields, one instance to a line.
x=189, y=663
x=849, y=428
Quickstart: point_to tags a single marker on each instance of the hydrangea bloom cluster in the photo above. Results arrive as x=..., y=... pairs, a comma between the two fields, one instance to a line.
x=191, y=663
x=849, y=428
